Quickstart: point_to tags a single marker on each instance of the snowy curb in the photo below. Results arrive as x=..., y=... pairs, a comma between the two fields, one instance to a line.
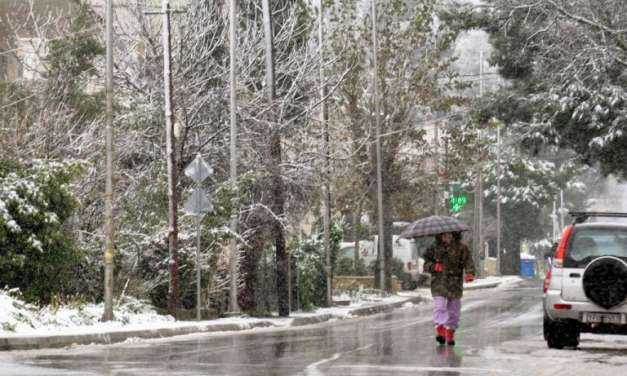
x=309, y=320
x=482, y=286
x=28, y=342
x=115, y=336
x=50, y=341
x=384, y=307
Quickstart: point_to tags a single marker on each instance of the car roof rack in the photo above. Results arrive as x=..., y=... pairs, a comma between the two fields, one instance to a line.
x=582, y=216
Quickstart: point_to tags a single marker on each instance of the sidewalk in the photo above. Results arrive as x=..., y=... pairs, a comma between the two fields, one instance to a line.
x=104, y=335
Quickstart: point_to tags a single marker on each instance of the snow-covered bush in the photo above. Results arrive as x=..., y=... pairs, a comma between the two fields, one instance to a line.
x=312, y=284
x=37, y=252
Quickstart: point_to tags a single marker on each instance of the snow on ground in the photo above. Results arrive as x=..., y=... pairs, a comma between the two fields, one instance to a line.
x=597, y=355
x=21, y=319
x=506, y=281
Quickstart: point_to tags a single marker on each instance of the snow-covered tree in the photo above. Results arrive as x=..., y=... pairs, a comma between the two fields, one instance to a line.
x=566, y=61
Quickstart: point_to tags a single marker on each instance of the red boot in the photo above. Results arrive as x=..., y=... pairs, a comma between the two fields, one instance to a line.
x=440, y=334
x=450, y=337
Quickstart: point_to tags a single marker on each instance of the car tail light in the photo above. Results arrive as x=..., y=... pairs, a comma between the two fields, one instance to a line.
x=561, y=248
x=547, y=280
x=562, y=306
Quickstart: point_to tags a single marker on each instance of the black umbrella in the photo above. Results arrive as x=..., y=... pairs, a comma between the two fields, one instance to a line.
x=433, y=225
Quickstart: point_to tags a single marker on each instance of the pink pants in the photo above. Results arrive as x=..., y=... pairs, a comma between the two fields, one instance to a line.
x=446, y=311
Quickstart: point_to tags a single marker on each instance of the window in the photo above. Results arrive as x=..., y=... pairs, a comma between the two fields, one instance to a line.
x=590, y=243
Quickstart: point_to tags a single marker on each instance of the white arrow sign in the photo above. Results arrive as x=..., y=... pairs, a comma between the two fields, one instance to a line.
x=198, y=203
x=198, y=170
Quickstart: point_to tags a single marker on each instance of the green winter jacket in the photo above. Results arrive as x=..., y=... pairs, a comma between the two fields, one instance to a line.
x=457, y=262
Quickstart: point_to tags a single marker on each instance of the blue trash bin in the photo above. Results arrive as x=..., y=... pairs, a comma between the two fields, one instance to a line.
x=527, y=268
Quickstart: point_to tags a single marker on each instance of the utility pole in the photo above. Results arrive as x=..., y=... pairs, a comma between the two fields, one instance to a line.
x=562, y=210
x=554, y=221
x=498, y=199
x=282, y=262
x=436, y=143
x=327, y=160
x=233, y=306
x=381, y=239
x=173, y=290
x=478, y=216
x=109, y=243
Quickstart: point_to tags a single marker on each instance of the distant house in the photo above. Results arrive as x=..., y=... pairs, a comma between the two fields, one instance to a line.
x=23, y=34
x=23, y=51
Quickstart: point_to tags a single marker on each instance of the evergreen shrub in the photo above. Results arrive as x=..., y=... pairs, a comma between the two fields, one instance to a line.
x=37, y=252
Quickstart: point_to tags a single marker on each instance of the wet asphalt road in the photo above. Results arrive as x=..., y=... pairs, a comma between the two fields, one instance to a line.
x=399, y=343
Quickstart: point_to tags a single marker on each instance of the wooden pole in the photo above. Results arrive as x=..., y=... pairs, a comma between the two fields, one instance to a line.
x=173, y=291
x=234, y=265
x=109, y=230
x=282, y=262
x=327, y=160
x=381, y=239
x=498, y=200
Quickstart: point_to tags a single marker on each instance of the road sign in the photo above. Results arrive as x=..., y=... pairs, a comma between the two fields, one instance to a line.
x=198, y=203
x=198, y=170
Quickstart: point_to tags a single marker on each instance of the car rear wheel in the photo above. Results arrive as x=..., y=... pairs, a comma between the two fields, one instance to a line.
x=560, y=333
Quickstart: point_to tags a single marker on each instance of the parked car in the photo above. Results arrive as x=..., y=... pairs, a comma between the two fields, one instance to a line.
x=585, y=289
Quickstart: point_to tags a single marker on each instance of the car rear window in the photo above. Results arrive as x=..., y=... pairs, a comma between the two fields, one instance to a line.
x=589, y=243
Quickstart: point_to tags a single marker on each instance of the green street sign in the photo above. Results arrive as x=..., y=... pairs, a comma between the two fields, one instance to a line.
x=458, y=198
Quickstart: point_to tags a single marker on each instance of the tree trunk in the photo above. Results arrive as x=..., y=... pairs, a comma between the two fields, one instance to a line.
x=388, y=241
x=294, y=282
x=247, y=297
x=510, y=261
x=282, y=262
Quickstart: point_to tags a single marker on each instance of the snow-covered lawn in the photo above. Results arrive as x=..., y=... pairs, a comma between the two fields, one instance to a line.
x=20, y=318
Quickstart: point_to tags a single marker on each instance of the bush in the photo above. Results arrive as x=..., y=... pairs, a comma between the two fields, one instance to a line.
x=38, y=255
x=346, y=266
x=407, y=283
x=312, y=284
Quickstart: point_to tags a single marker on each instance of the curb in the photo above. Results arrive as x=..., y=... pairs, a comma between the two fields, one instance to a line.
x=384, y=307
x=57, y=341
x=301, y=321
x=483, y=286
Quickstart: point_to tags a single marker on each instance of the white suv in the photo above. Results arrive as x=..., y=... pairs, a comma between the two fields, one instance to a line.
x=585, y=289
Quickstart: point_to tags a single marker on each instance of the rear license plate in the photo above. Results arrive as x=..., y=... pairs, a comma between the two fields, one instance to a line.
x=606, y=318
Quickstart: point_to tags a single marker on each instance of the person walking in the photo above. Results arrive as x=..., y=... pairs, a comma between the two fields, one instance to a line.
x=450, y=263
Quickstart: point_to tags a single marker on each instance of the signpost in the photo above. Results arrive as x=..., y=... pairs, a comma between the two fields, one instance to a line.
x=197, y=205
